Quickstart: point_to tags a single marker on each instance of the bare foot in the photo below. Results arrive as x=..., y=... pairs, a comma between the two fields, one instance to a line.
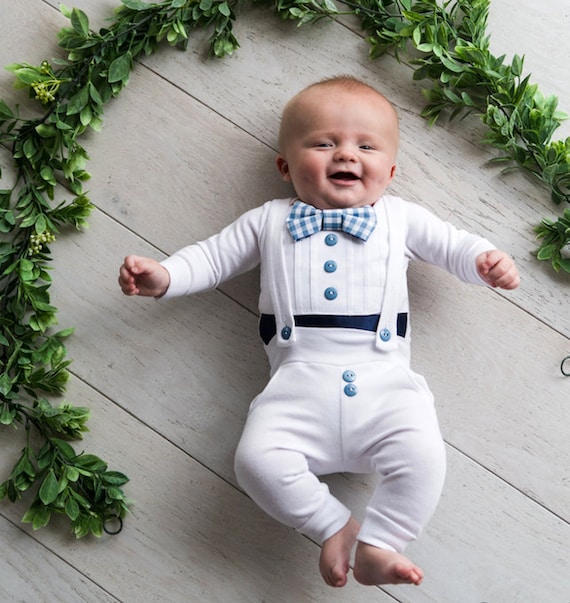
x=335, y=554
x=380, y=566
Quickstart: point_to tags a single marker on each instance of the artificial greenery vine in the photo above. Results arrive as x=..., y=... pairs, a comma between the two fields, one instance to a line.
x=47, y=157
x=465, y=77
x=446, y=43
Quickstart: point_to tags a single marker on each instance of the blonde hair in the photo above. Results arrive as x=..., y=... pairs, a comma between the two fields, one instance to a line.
x=344, y=82
x=348, y=82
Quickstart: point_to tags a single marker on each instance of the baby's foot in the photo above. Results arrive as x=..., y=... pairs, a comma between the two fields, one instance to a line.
x=335, y=554
x=373, y=565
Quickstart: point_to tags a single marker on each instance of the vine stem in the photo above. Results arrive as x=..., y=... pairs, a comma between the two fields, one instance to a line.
x=87, y=62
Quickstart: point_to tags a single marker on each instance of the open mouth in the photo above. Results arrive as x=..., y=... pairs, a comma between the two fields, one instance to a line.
x=344, y=176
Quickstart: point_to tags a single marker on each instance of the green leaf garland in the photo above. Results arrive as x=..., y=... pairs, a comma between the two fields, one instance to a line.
x=448, y=47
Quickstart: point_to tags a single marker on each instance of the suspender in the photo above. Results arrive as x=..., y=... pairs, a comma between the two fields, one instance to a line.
x=386, y=332
x=279, y=289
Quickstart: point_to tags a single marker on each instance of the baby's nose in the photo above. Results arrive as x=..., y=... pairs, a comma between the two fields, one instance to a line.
x=344, y=153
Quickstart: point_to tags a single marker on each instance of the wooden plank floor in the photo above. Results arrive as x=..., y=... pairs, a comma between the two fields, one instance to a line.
x=187, y=148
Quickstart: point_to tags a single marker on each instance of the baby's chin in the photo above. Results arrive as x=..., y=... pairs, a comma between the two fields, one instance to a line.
x=341, y=203
x=345, y=198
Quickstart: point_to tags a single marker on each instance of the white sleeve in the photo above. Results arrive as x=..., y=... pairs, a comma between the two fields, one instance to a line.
x=205, y=265
x=438, y=242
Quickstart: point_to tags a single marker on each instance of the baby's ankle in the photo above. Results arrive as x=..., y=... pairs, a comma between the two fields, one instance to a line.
x=335, y=555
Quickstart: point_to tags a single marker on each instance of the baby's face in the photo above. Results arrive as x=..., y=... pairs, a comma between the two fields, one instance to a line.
x=339, y=147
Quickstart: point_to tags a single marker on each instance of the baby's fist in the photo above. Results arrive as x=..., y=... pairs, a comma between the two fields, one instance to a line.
x=143, y=276
x=498, y=269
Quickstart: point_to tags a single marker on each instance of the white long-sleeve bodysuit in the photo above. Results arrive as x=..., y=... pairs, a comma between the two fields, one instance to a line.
x=339, y=399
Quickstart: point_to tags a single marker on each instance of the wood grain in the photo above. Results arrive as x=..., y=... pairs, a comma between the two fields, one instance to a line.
x=188, y=147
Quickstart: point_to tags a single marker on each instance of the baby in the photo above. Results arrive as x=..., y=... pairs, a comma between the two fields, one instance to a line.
x=334, y=322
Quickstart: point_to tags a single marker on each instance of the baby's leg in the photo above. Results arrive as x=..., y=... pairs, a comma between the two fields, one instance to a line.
x=335, y=555
x=287, y=441
x=282, y=484
x=408, y=454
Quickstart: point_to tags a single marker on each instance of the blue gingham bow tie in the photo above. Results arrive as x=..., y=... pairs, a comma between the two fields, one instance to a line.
x=305, y=220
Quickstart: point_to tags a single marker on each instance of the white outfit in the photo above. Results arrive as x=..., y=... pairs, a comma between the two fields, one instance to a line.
x=339, y=399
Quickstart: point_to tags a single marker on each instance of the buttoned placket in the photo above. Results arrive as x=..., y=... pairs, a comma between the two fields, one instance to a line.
x=281, y=288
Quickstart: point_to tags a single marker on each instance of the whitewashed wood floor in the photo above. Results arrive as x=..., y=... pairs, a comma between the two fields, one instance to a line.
x=187, y=148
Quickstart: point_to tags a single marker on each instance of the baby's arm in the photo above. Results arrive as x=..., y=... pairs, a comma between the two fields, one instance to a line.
x=498, y=269
x=143, y=276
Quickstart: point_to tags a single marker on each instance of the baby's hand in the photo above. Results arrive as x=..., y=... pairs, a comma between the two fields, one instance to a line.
x=498, y=269
x=143, y=276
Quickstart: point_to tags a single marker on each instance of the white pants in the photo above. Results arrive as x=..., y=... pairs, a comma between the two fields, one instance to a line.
x=308, y=423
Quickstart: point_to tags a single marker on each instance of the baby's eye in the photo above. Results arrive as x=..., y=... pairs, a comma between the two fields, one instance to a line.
x=323, y=145
x=366, y=147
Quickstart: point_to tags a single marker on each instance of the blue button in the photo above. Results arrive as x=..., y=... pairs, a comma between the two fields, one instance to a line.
x=331, y=239
x=331, y=293
x=330, y=266
x=385, y=335
x=350, y=390
x=286, y=332
x=349, y=376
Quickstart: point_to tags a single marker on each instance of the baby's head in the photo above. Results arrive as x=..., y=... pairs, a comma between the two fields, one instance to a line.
x=338, y=143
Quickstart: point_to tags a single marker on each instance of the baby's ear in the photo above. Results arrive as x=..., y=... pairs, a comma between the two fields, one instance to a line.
x=283, y=168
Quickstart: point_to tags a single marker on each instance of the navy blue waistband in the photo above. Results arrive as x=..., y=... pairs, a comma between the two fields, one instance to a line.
x=369, y=322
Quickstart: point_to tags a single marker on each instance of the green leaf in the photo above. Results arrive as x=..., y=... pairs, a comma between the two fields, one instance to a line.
x=90, y=462
x=96, y=525
x=564, y=263
x=65, y=11
x=546, y=252
x=517, y=65
x=81, y=500
x=24, y=465
x=80, y=21
x=46, y=131
x=94, y=94
x=38, y=516
x=49, y=488
x=425, y=47
x=72, y=509
x=26, y=74
x=417, y=35
x=114, y=493
x=41, y=223
x=172, y=36
x=450, y=94
x=29, y=148
x=64, y=448
x=64, y=333
x=120, y=69
x=451, y=64
x=48, y=175
x=5, y=197
x=78, y=101
x=225, y=9
x=136, y=5
x=5, y=111
x=5, y=384
x=86, y=115
x=7, y=414
x=72, y=473
x=115, y=478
